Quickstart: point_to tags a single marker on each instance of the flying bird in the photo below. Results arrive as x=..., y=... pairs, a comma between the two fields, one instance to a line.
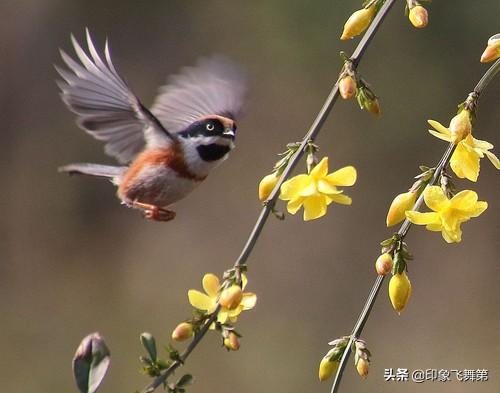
x=165, y=152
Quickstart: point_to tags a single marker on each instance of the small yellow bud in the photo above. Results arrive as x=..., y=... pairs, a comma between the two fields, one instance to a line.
x=491, y=53
x=373, y=106
x=182, y=332
x=399, y=206
x=231, y=342
x=460, y=126
x=347, y=87
x=267, y=185
x=231, y=297
x=399, y=291
x=419, y=17
x=384, y=264
x=358, y=22
x=362, y=367
x=327, y=368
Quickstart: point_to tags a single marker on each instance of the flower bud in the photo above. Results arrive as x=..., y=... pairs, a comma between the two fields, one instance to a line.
x=327, y=368
x=231, y=342
x=362, y=367
x=267, y=185
x=182, y=332
x=491, y=53
x=460, y=126
x=373, y=106
x=231, y=297
x=419, y=17
x=358, y=22
x=399, y=291
x=347, y=87
x=399, y=206
x=384, y=264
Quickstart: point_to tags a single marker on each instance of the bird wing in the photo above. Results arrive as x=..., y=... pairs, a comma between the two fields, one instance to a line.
x=106, y=107
x=215, y=86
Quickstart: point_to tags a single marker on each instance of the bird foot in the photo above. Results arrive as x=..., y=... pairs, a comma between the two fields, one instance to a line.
x=153, y=212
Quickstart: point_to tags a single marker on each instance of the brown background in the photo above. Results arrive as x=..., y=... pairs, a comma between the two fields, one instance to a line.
x=74, y=261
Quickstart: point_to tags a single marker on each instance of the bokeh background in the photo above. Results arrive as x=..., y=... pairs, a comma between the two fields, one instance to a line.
x=74, y=261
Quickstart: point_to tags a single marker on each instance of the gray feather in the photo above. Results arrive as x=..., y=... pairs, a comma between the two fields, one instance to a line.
x=107, y=171
x=106, y=107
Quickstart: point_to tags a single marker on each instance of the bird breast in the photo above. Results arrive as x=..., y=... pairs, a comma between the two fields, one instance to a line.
x=158, y=176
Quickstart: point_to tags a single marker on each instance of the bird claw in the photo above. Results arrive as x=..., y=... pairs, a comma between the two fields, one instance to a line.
x=153, y=212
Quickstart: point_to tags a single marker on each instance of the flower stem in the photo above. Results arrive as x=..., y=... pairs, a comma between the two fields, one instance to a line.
x=403, y=231
x=271, y=201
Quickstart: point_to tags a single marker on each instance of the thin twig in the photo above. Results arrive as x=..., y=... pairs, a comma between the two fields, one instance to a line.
x=271, y=201
x=403, y=231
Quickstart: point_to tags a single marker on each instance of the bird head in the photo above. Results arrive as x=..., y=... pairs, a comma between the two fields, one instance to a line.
x=207, y=142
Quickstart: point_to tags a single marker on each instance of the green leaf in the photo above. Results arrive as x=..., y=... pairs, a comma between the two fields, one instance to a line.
x=90, y=363
x=149, y=343
x=185, y=380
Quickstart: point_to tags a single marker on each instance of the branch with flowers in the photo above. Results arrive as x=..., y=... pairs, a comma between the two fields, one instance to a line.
x=223, y=301
x=449, y=210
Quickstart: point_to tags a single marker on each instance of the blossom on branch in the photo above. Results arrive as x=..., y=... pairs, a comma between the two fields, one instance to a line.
x=208, y=301
x=316, y=190
x=448, y=214
x=465, y=159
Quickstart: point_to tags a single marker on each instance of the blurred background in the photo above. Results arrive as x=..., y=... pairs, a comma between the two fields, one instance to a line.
x=74, y=261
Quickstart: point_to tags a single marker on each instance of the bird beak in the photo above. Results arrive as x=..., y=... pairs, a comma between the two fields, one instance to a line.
x=229, y=133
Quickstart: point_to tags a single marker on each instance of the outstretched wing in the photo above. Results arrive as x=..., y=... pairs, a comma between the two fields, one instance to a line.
x=106, y=107
x=215, y=86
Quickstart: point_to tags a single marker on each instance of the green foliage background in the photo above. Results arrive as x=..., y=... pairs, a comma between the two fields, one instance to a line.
x=73, y=261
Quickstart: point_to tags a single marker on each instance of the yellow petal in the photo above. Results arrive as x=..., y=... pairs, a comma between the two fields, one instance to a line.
x=345, y=176
x=422, y=218
x=321, y=169
x=244, y=281
x=211, y=284
x=200, y=300
x=464, y=200
x=232, y=314
x=435, y=199
x=452, y=236
x=295, y=204
x=249, y=300
x=314, y=207
x=440, y=128
x=292, y=188
x=326, y=187
x=223, y=315
x=465, y=163
x=480, y=207
x=478, y=143
x=340, y=199
x=493, y=158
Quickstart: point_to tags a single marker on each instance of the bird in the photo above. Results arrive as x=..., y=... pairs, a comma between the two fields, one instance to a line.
x=165, y=152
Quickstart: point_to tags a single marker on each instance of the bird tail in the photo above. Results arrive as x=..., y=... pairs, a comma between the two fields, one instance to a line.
x=106, y=171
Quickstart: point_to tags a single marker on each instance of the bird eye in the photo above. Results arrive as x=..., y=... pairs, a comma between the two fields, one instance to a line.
x=210, y=127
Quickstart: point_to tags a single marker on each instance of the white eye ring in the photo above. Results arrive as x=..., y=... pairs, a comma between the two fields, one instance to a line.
x=210, y=127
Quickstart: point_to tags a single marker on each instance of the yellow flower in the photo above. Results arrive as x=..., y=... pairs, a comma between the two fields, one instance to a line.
x=317, y=190
x=465, y=159
x=448, y=214
x=399, y=291
x=358, y=22
x=399, y=206
x=208, y=302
